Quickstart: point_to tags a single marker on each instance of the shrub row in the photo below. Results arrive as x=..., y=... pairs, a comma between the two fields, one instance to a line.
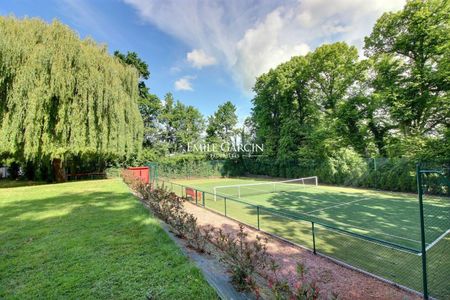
x=246, y=259
x=343, y=168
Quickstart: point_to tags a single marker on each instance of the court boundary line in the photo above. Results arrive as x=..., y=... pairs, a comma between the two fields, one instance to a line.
x=238, y=186
x=435, y=241
x=309, y=213
x=337, y=230
x=357, y=227
x=338, y=222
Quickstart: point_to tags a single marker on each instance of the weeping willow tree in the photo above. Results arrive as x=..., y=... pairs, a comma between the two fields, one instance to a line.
x=63, y=99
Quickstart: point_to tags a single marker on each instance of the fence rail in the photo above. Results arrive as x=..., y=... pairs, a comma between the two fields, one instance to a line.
x=395, y=263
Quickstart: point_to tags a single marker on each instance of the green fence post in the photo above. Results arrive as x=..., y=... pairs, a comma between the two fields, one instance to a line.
x=422, y=232
x=257, y=213
x=314, y=237
x=225, y=203
x=203, y=199
x=196, y=198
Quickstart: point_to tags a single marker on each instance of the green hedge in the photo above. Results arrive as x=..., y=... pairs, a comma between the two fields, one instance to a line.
x=344, y=168
x=191, y=169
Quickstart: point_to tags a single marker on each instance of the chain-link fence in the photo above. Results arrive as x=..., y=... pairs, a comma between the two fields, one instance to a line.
x=434, y=195
x=421, y=264
x=390, y=261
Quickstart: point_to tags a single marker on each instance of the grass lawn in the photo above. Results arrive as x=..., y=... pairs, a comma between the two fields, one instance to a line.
x=392, y=217
x=89, y=240
x=8, y=183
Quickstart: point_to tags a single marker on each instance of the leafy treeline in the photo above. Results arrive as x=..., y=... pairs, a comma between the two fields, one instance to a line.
x=351, y=120
x=171, y=126
x=68, y=103
x=64, y=102
x=393, y=103
x=332, y=104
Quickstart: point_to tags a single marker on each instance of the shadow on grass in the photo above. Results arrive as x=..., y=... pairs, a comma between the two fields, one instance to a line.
x=10, y=183
x=95, y=244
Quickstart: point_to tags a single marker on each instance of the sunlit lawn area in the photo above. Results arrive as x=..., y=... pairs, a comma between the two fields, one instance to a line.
x=89, y=240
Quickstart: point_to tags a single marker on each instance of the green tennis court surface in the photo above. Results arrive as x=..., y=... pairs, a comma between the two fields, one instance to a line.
x=387, y=216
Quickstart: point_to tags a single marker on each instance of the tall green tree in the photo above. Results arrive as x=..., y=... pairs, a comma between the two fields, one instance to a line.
x=415, y=42
x=149, y=104
x=300, y=104
x=182, y=124
x=333, y=71
x=221, y=125
x=63, y=98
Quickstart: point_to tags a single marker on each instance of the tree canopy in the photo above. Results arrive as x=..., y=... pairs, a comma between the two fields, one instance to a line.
x=393, y=103
x=62, y=97
x=222, y=123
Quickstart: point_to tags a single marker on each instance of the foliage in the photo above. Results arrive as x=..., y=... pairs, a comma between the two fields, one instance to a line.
x=149, y=104
x=190, y=165
x=222, y=123
x=169, y=208
x=392, y=104
x=345, y=167
x=63, y=98
x=243, y=257
x=182, y=124
x=301, y=289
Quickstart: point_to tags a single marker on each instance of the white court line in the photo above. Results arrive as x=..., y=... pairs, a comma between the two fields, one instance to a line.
x=436, y=241
x=356, y=227
x=370, y=230
x=337, y=205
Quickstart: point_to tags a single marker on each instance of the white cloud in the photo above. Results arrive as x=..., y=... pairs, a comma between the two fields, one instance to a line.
x=184, y=83
x=249, y=38
x=199, y=59
x=263, y=48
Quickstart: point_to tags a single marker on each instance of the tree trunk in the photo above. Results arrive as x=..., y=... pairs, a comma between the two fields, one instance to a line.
x=58, y=170
x=378, y=135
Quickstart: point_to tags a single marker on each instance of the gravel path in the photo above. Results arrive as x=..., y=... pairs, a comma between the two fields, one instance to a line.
x=331, y=277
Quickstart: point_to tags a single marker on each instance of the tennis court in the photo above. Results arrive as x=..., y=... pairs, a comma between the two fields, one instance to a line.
x=385, y=215
x=335, y=211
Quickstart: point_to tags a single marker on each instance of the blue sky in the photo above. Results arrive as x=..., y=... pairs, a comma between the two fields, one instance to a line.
x=208, y=52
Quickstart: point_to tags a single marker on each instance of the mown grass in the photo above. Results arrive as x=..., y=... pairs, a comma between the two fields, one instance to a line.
x=89, y=240
x=8, y=183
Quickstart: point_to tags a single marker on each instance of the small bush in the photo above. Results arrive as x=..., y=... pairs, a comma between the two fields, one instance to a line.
x=243, y=257
x=301, y=289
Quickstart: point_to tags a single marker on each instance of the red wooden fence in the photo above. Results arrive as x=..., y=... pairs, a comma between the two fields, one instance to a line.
x=140, y=172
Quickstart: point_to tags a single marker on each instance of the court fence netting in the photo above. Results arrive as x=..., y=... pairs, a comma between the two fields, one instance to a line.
x=424, y=269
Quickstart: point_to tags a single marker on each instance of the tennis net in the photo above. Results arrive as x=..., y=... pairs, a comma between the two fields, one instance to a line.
x=242, y=190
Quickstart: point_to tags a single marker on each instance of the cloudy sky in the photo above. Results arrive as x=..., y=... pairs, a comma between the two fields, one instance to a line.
x=208, y=52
